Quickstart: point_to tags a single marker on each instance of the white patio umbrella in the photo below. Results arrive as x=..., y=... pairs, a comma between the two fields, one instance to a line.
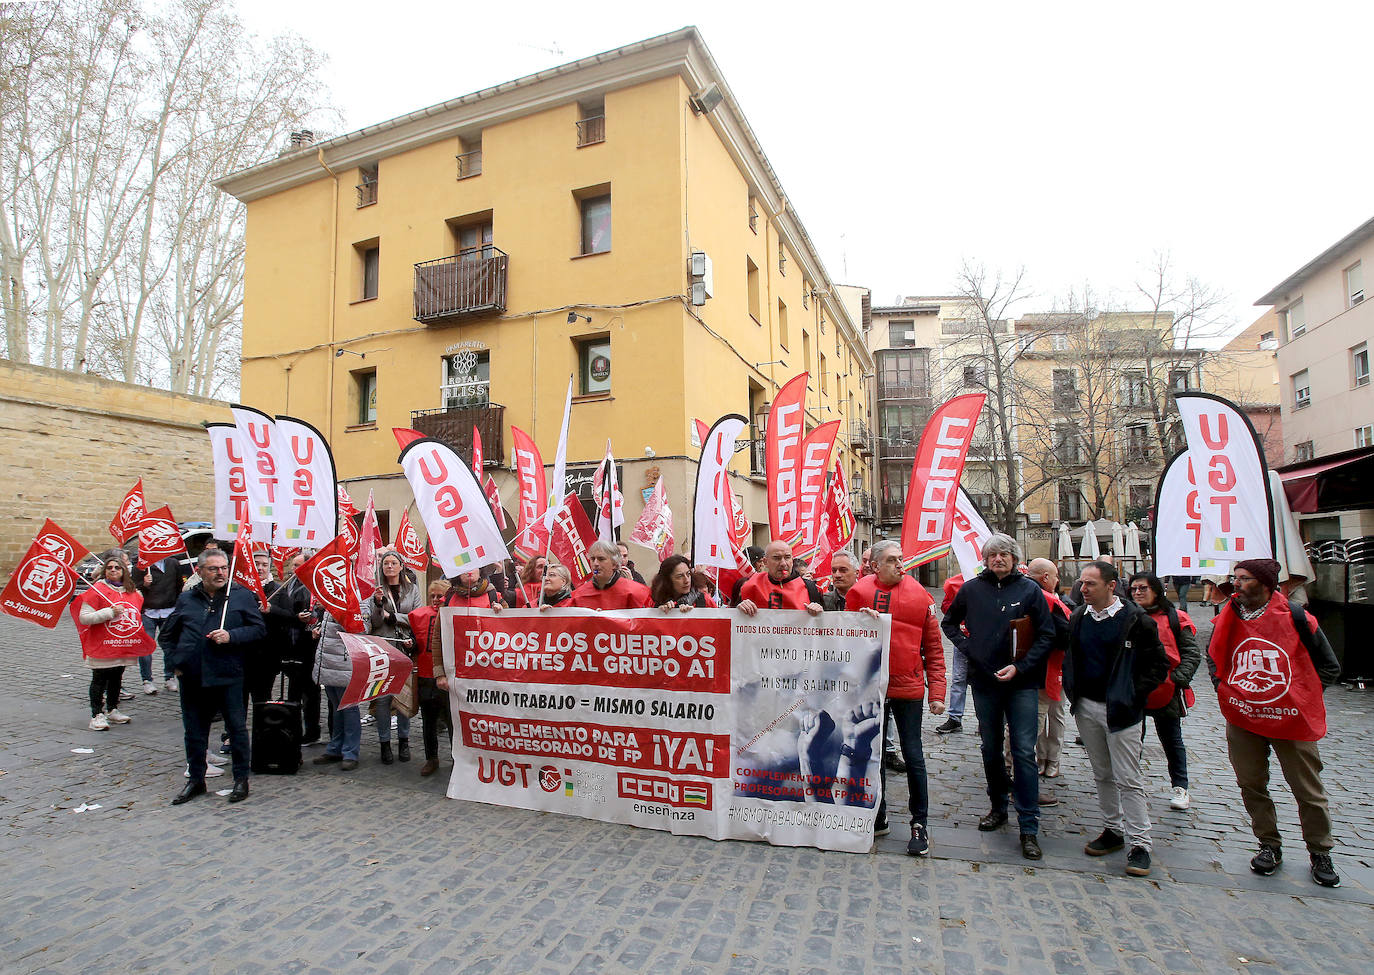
x=1132, y=541
x=1088, y=549
x=1065, y=550
x=1118, y=539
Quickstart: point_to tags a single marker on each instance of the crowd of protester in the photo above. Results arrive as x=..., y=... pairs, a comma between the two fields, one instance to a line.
x=1114, y=651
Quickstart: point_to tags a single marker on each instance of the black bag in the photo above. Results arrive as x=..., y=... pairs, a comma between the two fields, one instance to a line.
x=277, y=737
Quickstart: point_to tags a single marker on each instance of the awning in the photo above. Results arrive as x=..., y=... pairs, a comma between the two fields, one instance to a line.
x=1331, y=483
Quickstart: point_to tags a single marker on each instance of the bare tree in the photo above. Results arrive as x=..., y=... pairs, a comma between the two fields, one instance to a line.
x=119, y=256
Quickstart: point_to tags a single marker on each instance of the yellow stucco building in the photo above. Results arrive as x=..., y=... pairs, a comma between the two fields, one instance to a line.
x=453, y=267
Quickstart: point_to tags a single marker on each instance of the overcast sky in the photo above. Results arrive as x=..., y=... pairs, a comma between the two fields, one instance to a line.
x=1074, y=140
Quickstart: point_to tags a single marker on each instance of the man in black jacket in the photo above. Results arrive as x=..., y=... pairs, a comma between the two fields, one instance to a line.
x=205, y=642
x=1113, y=662
x=1006, y=682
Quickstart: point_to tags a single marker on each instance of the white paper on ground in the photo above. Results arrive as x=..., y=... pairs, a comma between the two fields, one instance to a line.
x=86, y=807
x=223, y=792
x=83, y=751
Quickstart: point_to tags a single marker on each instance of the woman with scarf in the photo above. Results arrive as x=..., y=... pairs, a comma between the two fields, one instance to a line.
x=672, y=586
x=396, y=597
x=109, y=622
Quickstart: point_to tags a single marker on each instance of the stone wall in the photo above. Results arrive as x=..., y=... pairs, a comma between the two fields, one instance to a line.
x=71, y=446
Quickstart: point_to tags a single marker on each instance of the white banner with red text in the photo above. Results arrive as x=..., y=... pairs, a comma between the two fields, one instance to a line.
x=711, y=723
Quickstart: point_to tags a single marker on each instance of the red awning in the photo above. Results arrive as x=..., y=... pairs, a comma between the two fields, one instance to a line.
x=1303, y=483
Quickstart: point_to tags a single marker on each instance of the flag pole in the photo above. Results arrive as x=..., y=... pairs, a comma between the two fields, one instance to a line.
x=225, y=611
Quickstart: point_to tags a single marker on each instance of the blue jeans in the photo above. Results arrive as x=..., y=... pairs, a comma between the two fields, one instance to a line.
x=958, y=686
x=1170, y=730
x=199, y=705
x=145, y=664
x=384, y=721
x=998, y=705
x=907, y=716
x=346, y=737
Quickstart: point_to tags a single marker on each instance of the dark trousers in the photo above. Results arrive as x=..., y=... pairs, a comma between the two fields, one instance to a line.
x=1169, y=727
x=105, y=684
x=434, y=708
x=1016, y=709
x=199, y=705
x=303, y=690
x=907, y=715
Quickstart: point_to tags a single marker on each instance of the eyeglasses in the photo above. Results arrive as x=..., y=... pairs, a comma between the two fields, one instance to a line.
x=1140, y=588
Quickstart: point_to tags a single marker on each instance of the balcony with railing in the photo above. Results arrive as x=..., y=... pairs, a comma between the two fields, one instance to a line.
x=862, y=503
x=453, y=425
x=467, y=285
x=860, y=438
x=591, y=130
x=758, y=457
x=469, y=163
x=367, y=192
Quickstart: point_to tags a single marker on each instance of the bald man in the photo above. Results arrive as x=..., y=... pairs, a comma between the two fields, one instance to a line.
x=779, y=585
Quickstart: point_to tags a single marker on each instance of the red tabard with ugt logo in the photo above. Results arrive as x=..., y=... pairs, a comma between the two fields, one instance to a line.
x=1269, y=685
x=115, y=639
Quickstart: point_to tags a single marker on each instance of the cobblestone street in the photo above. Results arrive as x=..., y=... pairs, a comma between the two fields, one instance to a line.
x=375, y=871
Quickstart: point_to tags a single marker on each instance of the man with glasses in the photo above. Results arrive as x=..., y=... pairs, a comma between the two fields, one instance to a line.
x=205, y=639
x=1270, y=665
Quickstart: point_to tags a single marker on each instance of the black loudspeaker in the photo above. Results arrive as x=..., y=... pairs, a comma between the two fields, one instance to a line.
x=276, y=737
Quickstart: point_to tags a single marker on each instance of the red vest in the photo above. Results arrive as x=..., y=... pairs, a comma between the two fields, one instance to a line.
x=768, y=594
x=1164, y=693
x=421, y=624
x=621, y=594
x=1268, y=684
x=917, y=655
x=117, y=639
x=1054, y=666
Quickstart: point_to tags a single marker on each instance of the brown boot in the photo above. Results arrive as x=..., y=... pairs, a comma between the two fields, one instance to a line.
x=430, y=767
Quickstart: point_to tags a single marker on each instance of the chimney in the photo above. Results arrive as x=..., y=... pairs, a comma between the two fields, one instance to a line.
x=302, y=138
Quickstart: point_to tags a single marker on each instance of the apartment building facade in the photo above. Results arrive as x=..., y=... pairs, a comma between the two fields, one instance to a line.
x=613, y=219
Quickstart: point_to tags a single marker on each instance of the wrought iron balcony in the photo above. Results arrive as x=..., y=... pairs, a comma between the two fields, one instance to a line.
x=469, y=284
x=469, y=164
x=453, y=426
x=862, y=503
x=591, y=130
x=860, y=438
x=367, y=192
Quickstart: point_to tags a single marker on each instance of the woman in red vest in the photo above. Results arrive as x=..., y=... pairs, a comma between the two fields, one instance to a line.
x=109, y=618
x=1170, y=701
x=433, y=702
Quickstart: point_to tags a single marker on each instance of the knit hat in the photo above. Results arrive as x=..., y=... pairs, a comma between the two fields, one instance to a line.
x=1264, y=570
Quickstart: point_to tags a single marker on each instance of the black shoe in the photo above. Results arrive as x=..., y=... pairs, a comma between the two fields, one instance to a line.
x=188, y=792
x=1323, y=872
x=993, y=820
x=1138, y=862
x=311, y=737
x=326, y=759
x=1267, y=860
x=403, y=749
x=880, y=827
x=1030, y=847
x=919, y=844
x=894, y=762
x=949, y=727
x=240, y=791
x=1109, y=842
x=387, y=757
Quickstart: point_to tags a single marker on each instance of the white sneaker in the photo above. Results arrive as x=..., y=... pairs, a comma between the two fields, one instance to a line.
x=99, y=723
x=1180, y=799
x=213, y=759
x=116, y=716
x=149, y=687
x=210, y=772
x=171, y=684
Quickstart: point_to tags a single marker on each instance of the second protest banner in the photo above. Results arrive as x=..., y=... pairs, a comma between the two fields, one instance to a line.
x=709, y=723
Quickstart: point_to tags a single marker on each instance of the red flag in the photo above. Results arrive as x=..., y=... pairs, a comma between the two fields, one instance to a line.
x=928, y=519
x=281, y=559
x=703, y=431
x=54, y=540
x=348, y=531
x=610, y=503
x=245, y=571
x=477, y=454
x=369, y=541
x=409, y=545
x=130, y=514
x=124, y=637
x=815, y=461
x=841, y=525
x=159, y=537
x=346, y=503
x=377, y=667
x=494, y=496
x=329, y=576
x=534, y=495
x=783, y=452
x=406, y=436
x=655, y=527
x=572, y=536
x=39, y=587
